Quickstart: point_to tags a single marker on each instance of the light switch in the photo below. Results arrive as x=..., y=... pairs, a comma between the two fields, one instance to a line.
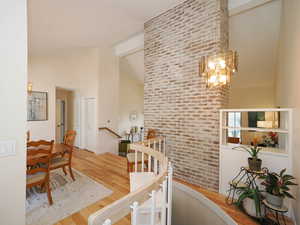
x=7, y=148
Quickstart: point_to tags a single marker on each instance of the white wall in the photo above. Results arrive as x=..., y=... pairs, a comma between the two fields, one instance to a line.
x=13, y=74
x=255, y=36
x=288, y=79
x=131, y=99
x=91, y=73
x=75, y=69
x=108, y=94
x=252, y=97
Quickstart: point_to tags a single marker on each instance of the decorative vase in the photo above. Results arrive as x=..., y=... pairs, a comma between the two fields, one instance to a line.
x=274, y=200
x=254, y=164
x=250, y=209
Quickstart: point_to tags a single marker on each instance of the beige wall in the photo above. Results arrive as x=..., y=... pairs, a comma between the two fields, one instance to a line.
x=73, y=69
x=90, y=73
x=255, y=35
x=108, y=94
x=131, y=99
x=252, y=97
x=288, y=78
x=13, y=74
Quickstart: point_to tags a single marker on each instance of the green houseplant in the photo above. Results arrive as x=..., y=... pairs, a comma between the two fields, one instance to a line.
x=254, y=162
x=277, y=187
x=251, y=200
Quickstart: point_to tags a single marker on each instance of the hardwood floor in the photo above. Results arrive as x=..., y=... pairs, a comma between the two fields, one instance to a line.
x=107, y=169
x=111, y=171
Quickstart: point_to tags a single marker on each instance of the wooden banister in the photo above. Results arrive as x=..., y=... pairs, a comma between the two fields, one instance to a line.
x=111, y=131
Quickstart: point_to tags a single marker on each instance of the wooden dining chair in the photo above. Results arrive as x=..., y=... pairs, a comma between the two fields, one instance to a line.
x=28, y=136
x=69, y=138
x=65, y=160
x=38, y=165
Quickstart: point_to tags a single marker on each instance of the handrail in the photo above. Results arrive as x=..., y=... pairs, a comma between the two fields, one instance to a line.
x=110, y=130
x=163, y=175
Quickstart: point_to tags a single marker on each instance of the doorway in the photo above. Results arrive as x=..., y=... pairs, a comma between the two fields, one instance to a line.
x=64, y=113
x=60, y=120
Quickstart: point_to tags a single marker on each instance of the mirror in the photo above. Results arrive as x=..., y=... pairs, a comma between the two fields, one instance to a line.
x=268, y=120
x=250, y=120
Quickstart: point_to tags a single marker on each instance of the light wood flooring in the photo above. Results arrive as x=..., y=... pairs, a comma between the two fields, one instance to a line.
x=110, y=170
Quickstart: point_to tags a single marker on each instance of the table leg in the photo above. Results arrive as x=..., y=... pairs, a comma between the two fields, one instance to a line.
x=283, y=217
x=277, y=218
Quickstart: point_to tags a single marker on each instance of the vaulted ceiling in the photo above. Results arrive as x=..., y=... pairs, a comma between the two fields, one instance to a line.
x=55, y=24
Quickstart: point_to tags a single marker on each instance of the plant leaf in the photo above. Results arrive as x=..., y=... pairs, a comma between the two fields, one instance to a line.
x=288, y=195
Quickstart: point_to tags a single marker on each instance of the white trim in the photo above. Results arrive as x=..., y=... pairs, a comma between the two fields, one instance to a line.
x=129, y=46
x=284, y=131
x=233, y=147
x=258, y=110
x=247, y=6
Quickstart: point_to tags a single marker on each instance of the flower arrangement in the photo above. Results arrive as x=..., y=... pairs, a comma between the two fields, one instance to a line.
x=270, y=140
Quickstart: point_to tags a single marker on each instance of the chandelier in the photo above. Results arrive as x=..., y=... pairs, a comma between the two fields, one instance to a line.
x=218, y=68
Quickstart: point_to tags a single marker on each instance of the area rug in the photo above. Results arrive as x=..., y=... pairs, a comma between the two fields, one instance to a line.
x=68, y=197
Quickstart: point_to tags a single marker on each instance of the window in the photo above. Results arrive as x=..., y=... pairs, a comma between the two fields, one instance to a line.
x=234, y=120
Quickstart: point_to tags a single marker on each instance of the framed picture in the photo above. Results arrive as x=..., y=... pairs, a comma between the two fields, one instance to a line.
x=37, y=106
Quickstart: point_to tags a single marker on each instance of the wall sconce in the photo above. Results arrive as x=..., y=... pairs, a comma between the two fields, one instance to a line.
x=29, y=87
x=218, y=69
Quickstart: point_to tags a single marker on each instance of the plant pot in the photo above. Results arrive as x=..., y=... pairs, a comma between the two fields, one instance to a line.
x=274, y=200
x=249, y=207
x=254, y=164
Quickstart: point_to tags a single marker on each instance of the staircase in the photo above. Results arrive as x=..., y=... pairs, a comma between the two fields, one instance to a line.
x=150, y=197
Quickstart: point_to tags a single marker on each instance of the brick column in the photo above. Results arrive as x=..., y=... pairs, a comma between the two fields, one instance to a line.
x=177, y=102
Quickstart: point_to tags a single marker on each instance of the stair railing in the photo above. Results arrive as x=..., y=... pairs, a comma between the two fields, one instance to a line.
x=153, y=151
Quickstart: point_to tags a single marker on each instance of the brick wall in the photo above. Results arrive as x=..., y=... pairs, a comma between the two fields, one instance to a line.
x=177, y=102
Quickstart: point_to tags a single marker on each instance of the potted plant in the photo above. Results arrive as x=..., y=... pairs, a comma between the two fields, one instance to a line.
x=251, y=200
x=277, y=187
x=254, y=162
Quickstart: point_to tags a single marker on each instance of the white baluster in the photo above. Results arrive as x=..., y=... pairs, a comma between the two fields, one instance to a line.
x=149, y=163
x=165, y=150
x=170, y=180
x=149, y=159
x=107, y=222
x=134, y=213
x=164, y=203
x=153, y=207
x=135, y=160
x=159, y=145
x=155, y=160
x=143, y=162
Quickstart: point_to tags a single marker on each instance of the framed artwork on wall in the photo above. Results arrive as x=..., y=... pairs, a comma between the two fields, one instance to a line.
x=37, y=106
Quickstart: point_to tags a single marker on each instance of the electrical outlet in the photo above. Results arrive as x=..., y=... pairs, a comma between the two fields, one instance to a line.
x=7, y=148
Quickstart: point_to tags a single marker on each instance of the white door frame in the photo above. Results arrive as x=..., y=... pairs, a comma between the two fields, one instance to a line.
x=77, y=112
x=84, y=144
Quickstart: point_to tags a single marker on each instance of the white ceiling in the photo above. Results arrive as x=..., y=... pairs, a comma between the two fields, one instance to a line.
x=56, y=24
